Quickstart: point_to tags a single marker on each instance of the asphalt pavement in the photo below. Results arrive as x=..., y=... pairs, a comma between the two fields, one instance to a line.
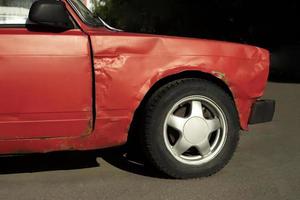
x=266, y=165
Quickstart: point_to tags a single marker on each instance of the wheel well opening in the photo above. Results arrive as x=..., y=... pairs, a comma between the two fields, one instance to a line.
x=182, y=75
x=137, y=120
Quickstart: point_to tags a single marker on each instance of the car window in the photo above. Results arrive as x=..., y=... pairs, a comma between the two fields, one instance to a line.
x=85, y=14
x=14, y=11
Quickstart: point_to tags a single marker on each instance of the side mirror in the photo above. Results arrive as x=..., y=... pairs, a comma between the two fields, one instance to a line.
x=50, y=13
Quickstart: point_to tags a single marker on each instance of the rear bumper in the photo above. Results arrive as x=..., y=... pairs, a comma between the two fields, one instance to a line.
x=262, y=111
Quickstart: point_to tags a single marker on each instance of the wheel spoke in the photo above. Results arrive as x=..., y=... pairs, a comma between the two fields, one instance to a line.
x=181, y=146
x=204, y=147
x=213, y=124
x=196, y=109
x=176, y=122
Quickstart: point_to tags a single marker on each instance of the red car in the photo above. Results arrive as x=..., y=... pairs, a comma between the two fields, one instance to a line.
x=68, y=81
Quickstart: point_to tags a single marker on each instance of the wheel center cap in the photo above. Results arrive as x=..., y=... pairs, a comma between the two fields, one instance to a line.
x=195, y=130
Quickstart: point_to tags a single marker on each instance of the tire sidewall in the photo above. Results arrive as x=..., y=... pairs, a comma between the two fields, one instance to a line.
x=167, y=99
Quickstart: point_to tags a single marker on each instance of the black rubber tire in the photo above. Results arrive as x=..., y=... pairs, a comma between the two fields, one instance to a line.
x=156, y=109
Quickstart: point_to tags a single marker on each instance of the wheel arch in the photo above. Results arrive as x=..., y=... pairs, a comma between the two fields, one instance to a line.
x=167, y=79
x=182, y=75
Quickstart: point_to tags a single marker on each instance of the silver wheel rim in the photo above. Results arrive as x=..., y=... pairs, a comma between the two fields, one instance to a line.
x=195, y=130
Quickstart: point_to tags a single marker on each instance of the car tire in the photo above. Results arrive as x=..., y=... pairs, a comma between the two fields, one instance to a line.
x=191, y=128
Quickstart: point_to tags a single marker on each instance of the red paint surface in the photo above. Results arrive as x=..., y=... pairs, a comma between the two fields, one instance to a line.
x=46, y=83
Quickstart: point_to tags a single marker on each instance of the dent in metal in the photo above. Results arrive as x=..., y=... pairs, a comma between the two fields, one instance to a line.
x=128, y=65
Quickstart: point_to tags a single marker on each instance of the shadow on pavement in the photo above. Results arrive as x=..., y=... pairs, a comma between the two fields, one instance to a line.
x=73, y=160
x=47, y=162
x=133, y=164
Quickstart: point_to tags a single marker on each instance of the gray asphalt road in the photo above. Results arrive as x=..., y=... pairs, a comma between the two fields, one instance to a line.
x=265, y=166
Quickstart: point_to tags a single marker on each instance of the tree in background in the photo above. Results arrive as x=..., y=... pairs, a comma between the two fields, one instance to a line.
x=269, y=24
x=255, y=22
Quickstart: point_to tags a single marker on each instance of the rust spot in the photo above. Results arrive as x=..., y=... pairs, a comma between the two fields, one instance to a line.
x=86, y=109
x=67, y=147
x=220, y=75
x=89, y=129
